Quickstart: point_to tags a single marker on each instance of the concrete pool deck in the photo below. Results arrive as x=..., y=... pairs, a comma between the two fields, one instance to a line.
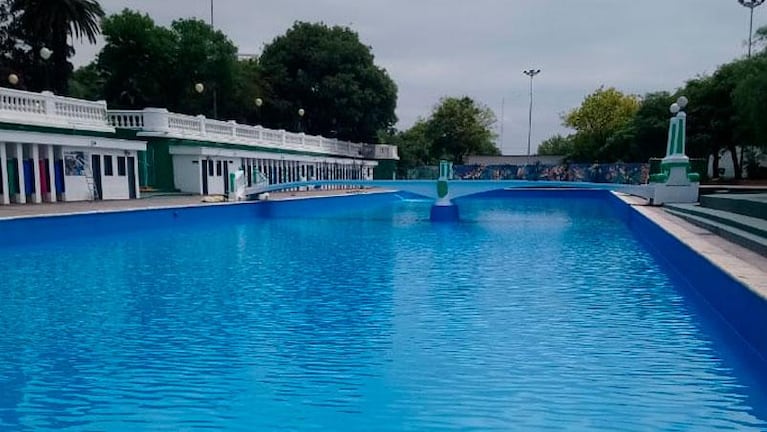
x=744, y=265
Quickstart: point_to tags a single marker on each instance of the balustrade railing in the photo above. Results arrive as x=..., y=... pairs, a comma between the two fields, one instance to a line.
x=47, y=109
x=199, y=127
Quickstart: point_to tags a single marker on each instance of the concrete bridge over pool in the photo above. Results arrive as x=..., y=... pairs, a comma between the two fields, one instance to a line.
x=443, y=192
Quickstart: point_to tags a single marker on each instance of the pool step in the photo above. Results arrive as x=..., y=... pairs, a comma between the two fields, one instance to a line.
x=753, y=205
x=751, y=233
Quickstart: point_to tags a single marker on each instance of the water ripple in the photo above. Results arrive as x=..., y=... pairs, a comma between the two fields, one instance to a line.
x=531, y=315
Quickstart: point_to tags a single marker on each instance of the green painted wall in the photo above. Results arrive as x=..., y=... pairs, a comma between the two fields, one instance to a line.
x=385, y=170
x=156, y=165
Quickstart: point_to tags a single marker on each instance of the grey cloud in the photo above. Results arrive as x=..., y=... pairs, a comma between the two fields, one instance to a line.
x=435, y=48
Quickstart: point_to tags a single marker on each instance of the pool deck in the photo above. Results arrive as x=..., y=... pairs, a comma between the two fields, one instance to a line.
x=744, y=265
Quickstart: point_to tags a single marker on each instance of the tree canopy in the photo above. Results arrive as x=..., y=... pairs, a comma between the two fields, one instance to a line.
x=30, y=26
x=456, y=128
x=331, y=75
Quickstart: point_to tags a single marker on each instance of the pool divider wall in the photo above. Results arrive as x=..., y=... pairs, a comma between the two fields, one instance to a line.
x=744, y=310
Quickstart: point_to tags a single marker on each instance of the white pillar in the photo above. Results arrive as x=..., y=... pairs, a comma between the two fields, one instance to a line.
x=51, y=174
x=135, y=169
x=38, y=198
x=22, y=195
x=4, y=180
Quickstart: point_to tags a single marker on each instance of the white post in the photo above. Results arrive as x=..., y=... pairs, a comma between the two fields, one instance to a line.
x=38, y=198
x=51, y=175
x=136, y=180
x=22, y=198
x=155, y=120
x=4, y=161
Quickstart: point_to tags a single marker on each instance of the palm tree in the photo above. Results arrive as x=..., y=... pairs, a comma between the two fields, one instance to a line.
x=50, y=23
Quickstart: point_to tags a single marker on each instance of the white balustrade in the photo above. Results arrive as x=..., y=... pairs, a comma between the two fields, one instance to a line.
x=47, y=109
x=157, y=120
x=126, y=119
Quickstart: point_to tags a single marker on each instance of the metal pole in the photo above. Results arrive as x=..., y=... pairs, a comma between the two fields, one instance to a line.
x=503, y=103
x=530, y=120
x=211, y=13
x=750, y=32
x=531, y=73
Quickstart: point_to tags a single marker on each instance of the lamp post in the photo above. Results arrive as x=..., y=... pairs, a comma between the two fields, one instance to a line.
x=531, y=73
x=13, y=79
x=199, y=88
x=301, y=113
x=751, y=4
x=45, y=54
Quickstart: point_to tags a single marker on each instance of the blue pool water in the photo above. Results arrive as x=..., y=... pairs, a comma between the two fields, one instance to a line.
x=531, y=314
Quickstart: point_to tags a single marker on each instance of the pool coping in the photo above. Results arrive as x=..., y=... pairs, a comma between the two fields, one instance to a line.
x=743, y=265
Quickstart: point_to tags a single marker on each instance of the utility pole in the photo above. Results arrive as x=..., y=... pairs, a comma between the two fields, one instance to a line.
x=503, y=103
x=751, y=4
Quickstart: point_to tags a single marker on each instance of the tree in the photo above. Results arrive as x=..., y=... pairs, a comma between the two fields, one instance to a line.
x=331, y=75
x=645, y=135
x=148, y=65
x=49, y=23
x=459, y=127
x=601, y=114
x=137, y=61
x=557, y=145
x=413, y=147
x=750, y=100
x=87, y=83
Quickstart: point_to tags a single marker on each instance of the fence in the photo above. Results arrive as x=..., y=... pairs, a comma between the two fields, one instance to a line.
x=622, y=173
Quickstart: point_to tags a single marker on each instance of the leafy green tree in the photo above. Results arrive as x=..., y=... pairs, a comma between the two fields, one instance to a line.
x=413, y=147
x=143, y=64
x=331, y=75
x=750, y=100
x=87, y=83
x=601, y=114
x=645, y=135
x=557, y=145
x=203, y=55
x=459, y=127
x=51, y=24
x=137, y=62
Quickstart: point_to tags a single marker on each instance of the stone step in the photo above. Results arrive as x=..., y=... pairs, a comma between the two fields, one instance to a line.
x=750, y=224
x=753, y=205
x=741, y=237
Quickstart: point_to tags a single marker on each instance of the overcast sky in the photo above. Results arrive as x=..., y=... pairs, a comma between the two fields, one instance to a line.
x=479, y=48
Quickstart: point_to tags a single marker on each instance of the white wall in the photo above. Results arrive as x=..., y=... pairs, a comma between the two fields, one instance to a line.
x=112, y=187
x=186, y=173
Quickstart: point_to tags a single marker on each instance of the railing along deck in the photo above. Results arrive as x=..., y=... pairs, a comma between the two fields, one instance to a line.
x=47, y=109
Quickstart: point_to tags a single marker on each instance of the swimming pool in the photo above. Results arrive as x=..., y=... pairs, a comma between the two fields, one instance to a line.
x=536, y=312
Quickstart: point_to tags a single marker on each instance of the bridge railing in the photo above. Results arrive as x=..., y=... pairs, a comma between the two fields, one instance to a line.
x=160, y=121
x=47, y=109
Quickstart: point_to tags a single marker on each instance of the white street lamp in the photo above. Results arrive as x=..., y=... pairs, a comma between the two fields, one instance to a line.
x=259, y=102
x=13, y=79
x=199, y=88
x=45, y=53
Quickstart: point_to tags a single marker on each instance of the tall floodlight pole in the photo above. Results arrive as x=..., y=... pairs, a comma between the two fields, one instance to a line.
x=215, y=90
x=211, y=13
x=751, y=4
x=531, y=73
